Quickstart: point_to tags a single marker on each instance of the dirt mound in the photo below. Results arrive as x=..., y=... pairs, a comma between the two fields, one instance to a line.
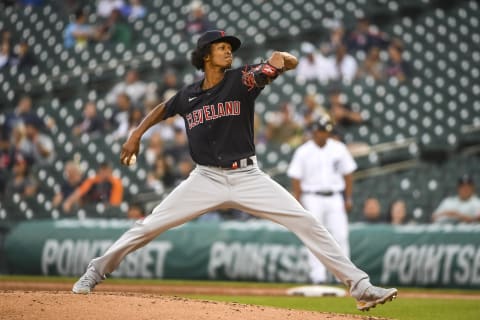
x=40, y=305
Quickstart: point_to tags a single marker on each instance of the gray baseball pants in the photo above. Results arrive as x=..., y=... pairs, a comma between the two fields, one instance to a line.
x=248, y=189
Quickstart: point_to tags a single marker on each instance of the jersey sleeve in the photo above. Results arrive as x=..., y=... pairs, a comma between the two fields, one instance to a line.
x=173, y=106
x=443, y=206
x=116, y=194
x=86, y=185
x=295, y=168
x=348, y=164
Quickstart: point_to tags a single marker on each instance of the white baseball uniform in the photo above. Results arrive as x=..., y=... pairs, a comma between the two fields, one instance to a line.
x=321, y=172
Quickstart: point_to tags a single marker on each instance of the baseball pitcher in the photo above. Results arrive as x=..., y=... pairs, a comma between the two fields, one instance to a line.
x=218, y=111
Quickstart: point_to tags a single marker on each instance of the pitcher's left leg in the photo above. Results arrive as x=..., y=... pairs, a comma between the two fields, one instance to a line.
x=256, y=193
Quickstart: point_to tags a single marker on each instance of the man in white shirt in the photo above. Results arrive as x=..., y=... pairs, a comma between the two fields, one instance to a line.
x=345, y=65
x=105, y=7
x=464, y=207
x=132, y=86
x=313, y=65
x=321, y=172
x=40, y=146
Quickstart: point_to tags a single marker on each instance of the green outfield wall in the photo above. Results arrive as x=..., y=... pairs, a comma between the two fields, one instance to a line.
x=419, y=255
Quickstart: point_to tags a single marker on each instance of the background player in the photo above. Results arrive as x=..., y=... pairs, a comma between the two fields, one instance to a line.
x=321, y=172
x=218, y=112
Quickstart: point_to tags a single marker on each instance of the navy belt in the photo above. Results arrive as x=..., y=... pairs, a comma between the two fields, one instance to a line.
x=240, y=163
x=321, y=193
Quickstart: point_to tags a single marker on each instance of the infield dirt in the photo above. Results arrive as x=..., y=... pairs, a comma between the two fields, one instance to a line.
x=43, y=300
x=113, y=305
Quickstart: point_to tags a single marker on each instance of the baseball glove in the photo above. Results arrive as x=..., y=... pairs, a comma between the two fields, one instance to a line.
x=260, y=75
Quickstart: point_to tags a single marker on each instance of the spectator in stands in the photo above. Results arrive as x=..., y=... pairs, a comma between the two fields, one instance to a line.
x=104, y=187
x=4, y=163
x=312, y=65
x=73, y=176
x=20, y=115
x=336, y=38
x=372, y=66
x=344, y=65
x=341, y=112
x=116, y=29
x=90, y=123
x=22, y=58
x=372, y=211
x=120, y=118
x=184, y=167
x=78, y=33
x=40, y=146
x=162, y=175
x=136, y=211
x=133, y=10
x=166, y=90
x=6, y=39
x=106, y=7
x=134, y=118
x=132, y=85
x=32, y=3
x=151, y=101
x=464, y=207
x=259, y=129
x=5, y=55
x=284, y=126
x=19, y=146
x=154, y=149
x=179, y=147
x=396, y=66
x=6, y=36
x=4, y=146
x=311, y=109
x=197, y=22
x=21, y=182
x=364, y=36
x=166, y=129
x=397, y=213
x=169, y=83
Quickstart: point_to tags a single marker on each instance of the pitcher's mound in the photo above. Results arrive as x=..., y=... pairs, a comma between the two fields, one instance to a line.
x=41, y=305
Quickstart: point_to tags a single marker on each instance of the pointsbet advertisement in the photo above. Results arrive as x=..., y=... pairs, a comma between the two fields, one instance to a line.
x=418, y=255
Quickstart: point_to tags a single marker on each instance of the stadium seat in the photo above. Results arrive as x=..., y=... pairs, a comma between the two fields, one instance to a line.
x=438, y=106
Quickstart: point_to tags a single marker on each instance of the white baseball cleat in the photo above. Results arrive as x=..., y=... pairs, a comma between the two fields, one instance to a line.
x=88, y=281
x=375, y=295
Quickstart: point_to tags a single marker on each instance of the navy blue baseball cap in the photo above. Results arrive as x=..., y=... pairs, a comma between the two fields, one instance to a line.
x=212, y=36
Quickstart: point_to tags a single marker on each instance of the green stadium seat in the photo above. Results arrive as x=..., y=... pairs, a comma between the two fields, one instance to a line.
x=434, y=106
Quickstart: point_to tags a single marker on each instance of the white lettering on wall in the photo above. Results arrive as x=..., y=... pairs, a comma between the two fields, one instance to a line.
x=447, y=264
x=265, y=262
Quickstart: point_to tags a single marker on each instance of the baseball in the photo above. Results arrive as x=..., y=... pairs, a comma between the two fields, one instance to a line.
x=133, y=160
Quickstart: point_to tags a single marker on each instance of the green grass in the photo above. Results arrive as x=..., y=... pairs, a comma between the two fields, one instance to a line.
x=403, y=308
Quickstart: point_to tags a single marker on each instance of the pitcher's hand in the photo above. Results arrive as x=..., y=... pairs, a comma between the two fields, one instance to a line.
x=129, y=148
